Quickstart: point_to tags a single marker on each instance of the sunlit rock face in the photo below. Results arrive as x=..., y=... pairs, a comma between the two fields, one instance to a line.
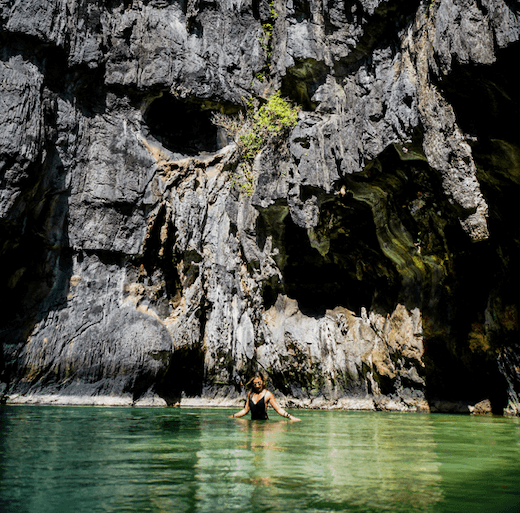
x=374, y=265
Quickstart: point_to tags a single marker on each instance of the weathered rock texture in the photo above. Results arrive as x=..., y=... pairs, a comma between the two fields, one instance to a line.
x=374, y=266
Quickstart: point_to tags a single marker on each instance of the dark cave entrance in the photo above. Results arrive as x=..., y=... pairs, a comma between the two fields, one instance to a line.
x=347, y=273
x=182, y=126
x=303, y=80
x=461, y=364
x=185, y=375
x=484, y=98
x=486, y=277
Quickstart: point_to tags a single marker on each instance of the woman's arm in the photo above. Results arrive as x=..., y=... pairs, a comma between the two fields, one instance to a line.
x=274, y=403
x=244, y=410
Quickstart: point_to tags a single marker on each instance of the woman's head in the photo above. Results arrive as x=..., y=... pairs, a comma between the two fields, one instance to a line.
x=258, y=382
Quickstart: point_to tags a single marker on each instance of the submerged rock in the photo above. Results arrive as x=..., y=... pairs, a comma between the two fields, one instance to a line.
x=372, y=266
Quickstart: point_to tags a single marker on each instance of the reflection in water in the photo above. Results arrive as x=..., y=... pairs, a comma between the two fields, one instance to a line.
x=242, y=471
x=336, y=461
x=109, y=460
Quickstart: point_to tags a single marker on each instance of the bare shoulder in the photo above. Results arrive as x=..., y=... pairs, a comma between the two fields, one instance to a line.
x=268, y=395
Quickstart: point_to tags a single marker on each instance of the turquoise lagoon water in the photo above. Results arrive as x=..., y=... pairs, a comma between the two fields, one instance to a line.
x=86, y=459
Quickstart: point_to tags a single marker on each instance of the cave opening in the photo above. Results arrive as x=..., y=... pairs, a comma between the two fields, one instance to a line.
x=485, y=281
x=495, y=146
x=455, y=374
x=484, y=97
x=303, y=80
x=461, y=364
x=184, y=377
x=182, y=126
x=348, y=268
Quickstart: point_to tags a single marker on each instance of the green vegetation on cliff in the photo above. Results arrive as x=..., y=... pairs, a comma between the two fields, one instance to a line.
x=261, y=125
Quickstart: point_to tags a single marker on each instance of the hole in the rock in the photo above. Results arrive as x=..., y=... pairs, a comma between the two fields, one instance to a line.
x=493, y=89
x=455, y=374
x=194, y=27
x=181, y=126
x=269, y=295
x=484, y=274
x=303, y=80
x=256, y=9
x=348, y=273
x=185, y=375
x=302, y=10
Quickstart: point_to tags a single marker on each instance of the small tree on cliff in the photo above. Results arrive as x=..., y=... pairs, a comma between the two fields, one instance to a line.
x=259, y=126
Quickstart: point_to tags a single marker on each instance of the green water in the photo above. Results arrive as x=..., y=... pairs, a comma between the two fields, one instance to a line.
x=60, y=459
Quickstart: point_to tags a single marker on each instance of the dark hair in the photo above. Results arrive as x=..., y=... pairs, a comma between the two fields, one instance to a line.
x=257, y=374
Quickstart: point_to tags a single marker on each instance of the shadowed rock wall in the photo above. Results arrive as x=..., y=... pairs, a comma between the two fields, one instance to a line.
x=374, y=265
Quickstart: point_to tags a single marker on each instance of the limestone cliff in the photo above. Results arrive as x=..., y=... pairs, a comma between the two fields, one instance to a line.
x=374, y=265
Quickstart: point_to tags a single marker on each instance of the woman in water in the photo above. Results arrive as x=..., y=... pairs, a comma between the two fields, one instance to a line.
x=258, y=399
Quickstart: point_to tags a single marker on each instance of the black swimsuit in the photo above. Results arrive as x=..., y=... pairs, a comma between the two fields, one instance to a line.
x=258, y=410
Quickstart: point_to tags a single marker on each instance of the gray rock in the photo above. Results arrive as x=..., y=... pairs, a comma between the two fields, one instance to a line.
x=373, y=265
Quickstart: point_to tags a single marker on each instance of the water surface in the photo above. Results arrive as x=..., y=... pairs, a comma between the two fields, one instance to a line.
x=86, y=459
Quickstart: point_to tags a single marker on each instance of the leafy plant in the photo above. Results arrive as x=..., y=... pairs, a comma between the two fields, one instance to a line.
x=259, y=126
x=267, y=38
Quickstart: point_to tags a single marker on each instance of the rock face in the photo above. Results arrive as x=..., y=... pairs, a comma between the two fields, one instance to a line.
x=373, y=266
